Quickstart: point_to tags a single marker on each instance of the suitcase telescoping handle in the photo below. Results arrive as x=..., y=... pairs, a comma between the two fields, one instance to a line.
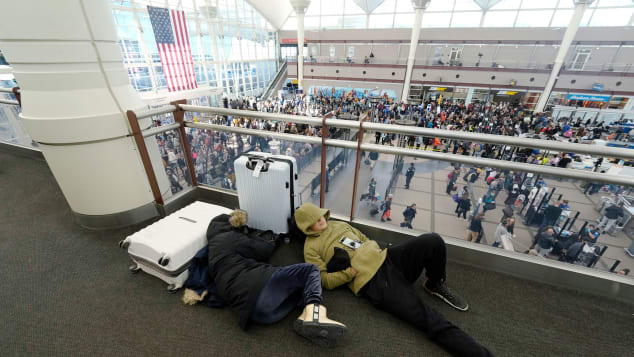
x=253, y=160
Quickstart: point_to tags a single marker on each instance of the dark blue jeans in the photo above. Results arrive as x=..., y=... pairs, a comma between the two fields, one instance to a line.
x=288, y=287
x=548, y=222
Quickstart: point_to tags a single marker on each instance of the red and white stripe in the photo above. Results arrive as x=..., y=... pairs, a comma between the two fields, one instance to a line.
x=176, y=58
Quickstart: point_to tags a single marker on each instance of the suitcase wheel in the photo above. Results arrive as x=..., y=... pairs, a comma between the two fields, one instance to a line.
x=163, y=261
x=124, y=244
x=134, y=268
x=171, y=288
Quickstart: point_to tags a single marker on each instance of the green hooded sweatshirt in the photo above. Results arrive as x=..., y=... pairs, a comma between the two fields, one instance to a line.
x=319, y=248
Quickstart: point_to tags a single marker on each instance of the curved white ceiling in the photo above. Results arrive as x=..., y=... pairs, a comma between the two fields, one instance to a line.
x=275, y=11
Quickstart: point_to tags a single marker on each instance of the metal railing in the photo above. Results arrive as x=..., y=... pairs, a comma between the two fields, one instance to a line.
x=468, y=62
x=418, y=131
x=16, y=92
x=178, y=108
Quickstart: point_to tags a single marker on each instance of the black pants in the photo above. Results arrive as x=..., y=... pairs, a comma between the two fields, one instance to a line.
x=391, y=290
x=286, y=288
x=449, y=187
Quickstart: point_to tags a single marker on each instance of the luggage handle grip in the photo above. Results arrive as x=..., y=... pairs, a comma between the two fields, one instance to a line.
x=253, y=161
x=187, y=219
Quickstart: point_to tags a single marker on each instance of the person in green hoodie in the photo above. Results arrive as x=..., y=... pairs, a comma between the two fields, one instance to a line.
x=386, y=277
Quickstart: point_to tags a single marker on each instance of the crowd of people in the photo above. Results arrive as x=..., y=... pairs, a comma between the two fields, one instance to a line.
x=213, y=152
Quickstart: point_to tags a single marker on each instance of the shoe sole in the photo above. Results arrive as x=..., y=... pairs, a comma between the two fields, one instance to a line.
x=445, y=300
x=324, y=335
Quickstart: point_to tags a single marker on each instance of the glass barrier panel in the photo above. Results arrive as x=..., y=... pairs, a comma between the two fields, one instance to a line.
x=550, y=215
x=605, y=263
x=174, y=165
x=214, y=153
x=340, y=166
x=11, y=128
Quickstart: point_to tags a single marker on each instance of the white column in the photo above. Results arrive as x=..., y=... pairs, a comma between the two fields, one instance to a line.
x=300, y=7
x=420, y=6
x=300, y=52
x=569, y=35
x=75, y=92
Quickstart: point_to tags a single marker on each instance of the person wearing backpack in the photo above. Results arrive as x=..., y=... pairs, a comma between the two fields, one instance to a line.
x=386, y=207
x=452, y=177
x=409, y=175
x=408, y=216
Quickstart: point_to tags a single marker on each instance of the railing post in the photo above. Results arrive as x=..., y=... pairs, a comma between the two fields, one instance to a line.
x=18, y=96
x=574, y=219
x=145, y=156
x=179, y=117
x=324, y=152
x=356, y=166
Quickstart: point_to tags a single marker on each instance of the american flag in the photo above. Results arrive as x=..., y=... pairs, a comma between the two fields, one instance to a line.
x=170, y=32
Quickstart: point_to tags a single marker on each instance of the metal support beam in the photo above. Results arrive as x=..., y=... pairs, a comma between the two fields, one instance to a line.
x=420, y=7
x=300, y=7
x=569, y=35
x=179, y=117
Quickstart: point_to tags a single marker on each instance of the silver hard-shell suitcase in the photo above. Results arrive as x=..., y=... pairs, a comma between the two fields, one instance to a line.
x=165, y=248
x=267, y=189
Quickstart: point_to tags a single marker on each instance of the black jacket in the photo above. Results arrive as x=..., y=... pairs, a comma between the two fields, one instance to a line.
x=552, y=212
x=475, y=225
x=510, y=199
x=546, y=241
x=237, y=264
x=614, y=212
x=409, y=213
x=473, y=177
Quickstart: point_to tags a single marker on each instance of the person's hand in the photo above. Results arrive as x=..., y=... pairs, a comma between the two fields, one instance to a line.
x=353, y=271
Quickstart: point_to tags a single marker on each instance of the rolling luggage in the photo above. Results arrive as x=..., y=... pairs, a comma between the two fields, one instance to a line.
x=267, y=189
x=165, y=248
x=507, y=243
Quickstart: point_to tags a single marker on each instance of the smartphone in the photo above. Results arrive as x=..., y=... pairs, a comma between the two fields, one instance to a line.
x=350, y=243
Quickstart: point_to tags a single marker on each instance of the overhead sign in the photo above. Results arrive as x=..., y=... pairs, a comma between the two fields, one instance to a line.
x=590, y=97
x=597, y=87
x=438, y=89
x=290, y=41
x=506, y=92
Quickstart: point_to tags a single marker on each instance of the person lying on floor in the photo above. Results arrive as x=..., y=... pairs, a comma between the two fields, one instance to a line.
x=259, y=292
x=386, y=276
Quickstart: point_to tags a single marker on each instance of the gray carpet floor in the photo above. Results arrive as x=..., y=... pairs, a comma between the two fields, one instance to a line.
x=66, y=291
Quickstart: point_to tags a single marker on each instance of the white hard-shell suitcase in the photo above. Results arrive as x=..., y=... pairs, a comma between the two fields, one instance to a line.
x=267, y=189
x=165, y=248
x=507, y=243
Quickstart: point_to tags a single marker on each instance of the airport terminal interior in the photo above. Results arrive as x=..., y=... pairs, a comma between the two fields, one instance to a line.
x=506, y=127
